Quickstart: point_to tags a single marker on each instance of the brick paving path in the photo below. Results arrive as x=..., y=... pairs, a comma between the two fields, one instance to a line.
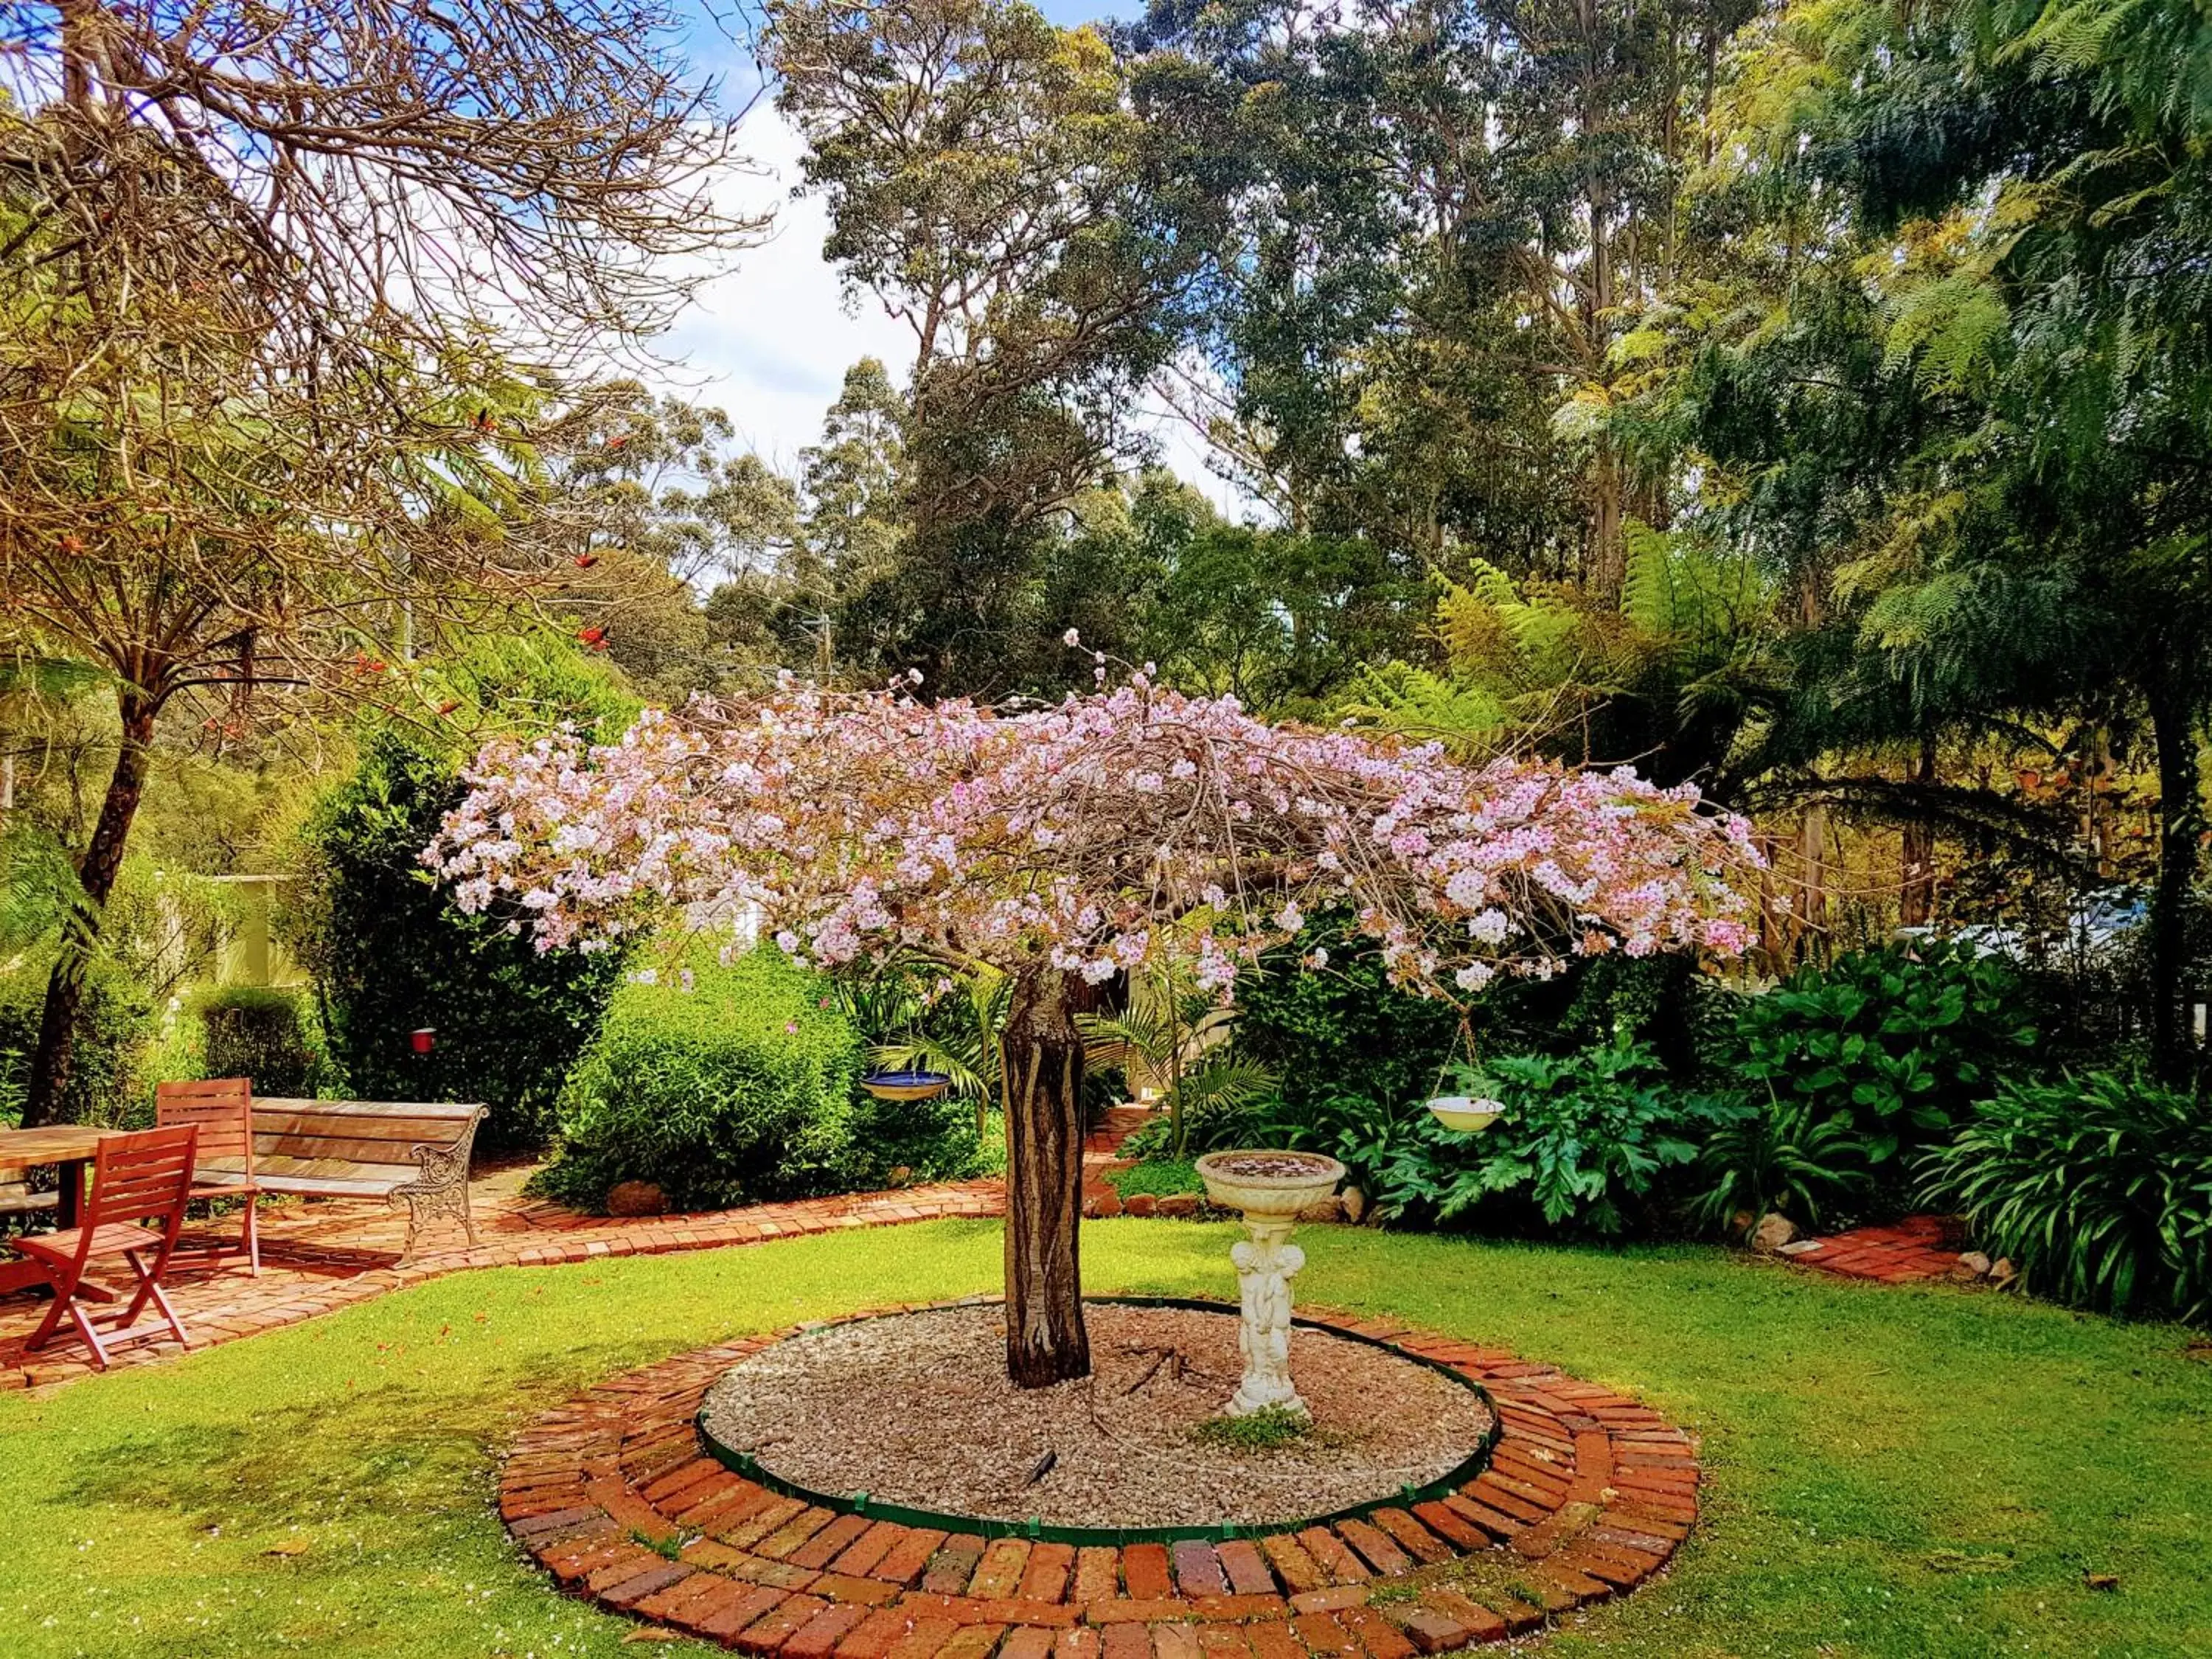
x=1919, y=1247
x=1586, y=1496
x=1102, y=1152
x=324, y=1255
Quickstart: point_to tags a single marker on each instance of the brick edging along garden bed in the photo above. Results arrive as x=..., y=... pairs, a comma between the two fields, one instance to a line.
x=1586, y=1496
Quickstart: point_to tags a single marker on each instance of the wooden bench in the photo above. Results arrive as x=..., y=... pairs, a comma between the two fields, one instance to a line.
x=17, y=1199
x=411, y=1151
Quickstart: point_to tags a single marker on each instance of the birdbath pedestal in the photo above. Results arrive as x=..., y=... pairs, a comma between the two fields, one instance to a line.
x=1269, y=1188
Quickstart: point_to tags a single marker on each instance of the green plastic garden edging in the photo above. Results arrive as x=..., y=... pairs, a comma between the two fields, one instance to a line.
x=946, y=1521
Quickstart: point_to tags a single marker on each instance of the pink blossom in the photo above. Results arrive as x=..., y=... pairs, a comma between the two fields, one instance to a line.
x=867, y=826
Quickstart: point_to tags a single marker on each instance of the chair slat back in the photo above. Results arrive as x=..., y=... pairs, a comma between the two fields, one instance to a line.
x=222, y=1107
x=143, y=1177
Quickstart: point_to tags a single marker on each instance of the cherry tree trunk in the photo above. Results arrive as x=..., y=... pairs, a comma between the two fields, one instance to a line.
x=1042, y=1054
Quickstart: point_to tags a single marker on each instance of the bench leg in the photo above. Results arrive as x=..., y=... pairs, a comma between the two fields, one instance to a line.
x=424, y=1207
x=442, y=1188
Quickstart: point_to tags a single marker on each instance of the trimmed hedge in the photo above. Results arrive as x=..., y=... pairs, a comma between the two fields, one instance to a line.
x=263, y=1033
x=390, y=951
x=730, y=1085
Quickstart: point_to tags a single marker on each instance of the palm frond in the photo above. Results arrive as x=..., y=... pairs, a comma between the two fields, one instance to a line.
x=1114, y=1040
x=926, y=1054
x=1227, y=1084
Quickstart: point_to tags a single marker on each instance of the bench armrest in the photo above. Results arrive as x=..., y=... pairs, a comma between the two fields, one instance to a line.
x=443, y=1167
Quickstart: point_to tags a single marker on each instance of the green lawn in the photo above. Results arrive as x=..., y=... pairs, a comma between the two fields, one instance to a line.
x=1906, y=1472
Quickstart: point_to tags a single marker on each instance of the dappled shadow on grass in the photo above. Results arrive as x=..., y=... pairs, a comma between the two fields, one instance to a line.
x=398, y=1447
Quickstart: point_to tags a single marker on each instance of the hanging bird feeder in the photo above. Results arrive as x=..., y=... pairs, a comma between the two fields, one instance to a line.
x=906, y=1086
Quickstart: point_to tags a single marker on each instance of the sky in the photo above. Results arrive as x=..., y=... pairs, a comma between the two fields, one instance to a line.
x=769, y=338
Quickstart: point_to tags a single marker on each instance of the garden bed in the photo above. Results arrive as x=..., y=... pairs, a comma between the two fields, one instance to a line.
x=915, y=1410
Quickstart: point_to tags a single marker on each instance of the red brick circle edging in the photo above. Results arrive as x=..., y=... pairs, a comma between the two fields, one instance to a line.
x=1586, y=1496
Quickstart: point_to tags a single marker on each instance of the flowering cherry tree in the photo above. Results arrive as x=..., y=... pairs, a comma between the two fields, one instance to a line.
x=1070, y=844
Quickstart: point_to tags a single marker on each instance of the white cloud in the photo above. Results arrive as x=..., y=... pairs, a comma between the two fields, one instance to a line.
x=769, y=340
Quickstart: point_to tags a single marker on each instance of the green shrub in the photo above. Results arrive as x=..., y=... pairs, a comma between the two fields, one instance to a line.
x=114, y=1023
x=176, y=1054
x=1584, y=1141
x=1361, y=1132
x=1347, y=1048
x=1897, y=1047
x=264, y=1033
x=2098, y=1187
x=389, y=951
x=1662, y=1001
x=1780, y=1157
x=730, y=1085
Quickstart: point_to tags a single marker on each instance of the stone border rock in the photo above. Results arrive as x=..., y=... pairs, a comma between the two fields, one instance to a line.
x=1587, y=1495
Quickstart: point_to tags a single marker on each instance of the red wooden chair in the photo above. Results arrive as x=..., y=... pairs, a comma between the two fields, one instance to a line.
x=224, y=1109
x=136, y=1178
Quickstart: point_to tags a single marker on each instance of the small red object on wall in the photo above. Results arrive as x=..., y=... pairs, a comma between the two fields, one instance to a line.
x=420, y=1041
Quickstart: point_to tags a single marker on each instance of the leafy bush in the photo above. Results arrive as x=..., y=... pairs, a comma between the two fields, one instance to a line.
x=1662, y=1001
x=729, y=1086
x=1584, y=1140
x=1780, y=1157
x=391, y=953
x=1896, y=1047
x=264, y=1033
x=114, y=1022
x=2098, y=1187
x=1349, y=1050
x=1362, y=1132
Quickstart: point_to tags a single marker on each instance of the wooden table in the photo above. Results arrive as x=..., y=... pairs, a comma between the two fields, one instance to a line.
x=71, y=1148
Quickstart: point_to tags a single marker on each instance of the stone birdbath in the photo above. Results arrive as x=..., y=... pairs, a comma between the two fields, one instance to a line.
x=1269, y=1188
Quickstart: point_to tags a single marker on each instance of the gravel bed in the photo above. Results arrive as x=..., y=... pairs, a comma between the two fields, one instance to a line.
x=915, y=1409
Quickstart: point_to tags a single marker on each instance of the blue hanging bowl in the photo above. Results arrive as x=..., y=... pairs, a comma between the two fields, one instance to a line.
x=906, y=1086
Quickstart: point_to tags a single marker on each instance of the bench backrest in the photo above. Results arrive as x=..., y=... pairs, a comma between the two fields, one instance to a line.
x=222, y=1107
x=370, y=1140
